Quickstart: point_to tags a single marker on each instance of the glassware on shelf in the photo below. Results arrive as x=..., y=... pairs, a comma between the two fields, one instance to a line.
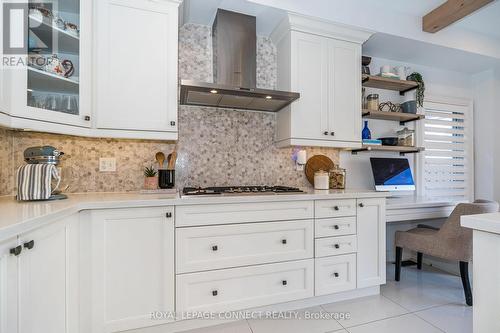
x=53, y=102
x=366, y=133
x=70, y=104
x=372, y=102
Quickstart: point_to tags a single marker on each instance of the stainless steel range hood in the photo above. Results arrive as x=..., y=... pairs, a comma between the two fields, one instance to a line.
x=234, y=55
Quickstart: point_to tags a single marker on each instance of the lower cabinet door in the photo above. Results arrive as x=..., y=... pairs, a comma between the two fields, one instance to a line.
x=371, y=242
x=8, y=285
x=48, y=279
x=132, y=267
x=334, y=274
x=246, y=287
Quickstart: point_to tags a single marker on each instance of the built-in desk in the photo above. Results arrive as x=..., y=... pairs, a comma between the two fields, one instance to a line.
x=410, y=208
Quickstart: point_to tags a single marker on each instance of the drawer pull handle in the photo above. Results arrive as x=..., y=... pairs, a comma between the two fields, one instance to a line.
x=336, y=208
x=214, y=292
x=29, y=245
x=336, y=246
x=284, y=282
x=215, y=248
x=283, y=241
x=16, y=250
x=361, y=205
x=336, y=227
x=336, y=274
x=169, y=215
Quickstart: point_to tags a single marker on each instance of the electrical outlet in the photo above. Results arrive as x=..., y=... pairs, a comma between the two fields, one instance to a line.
x=107, y=164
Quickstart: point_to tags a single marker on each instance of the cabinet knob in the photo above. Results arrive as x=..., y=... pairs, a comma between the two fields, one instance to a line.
x=332, y=133
x=361, y=205
x=16, y=250
x=29, y=245
x=215, y=248
x=336, y=246
x=87, y=118
x=172, y=123
x=336, y=227
x=336, y=208
x=283, y=241
x=284, y=282
x=336, y=274
x=169, y=214
x=325, y=133
x=214, y=292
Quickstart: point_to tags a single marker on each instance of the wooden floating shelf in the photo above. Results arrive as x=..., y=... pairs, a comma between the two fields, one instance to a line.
x=397, y=149
x=394, y=116
x=379, y=82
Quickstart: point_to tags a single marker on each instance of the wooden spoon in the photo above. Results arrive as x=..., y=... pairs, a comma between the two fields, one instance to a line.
x=171, y=162
x=160, y=158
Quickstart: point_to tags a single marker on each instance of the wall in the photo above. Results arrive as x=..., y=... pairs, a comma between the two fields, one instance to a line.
x=215, y=147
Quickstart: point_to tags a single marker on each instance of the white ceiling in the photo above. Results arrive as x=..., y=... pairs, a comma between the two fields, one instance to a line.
x=203, y=12
x=484, y=21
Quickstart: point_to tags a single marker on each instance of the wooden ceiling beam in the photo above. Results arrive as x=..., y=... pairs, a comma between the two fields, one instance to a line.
x=450, y=12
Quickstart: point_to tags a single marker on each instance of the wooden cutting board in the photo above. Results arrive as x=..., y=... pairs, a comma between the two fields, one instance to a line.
x=316, y=163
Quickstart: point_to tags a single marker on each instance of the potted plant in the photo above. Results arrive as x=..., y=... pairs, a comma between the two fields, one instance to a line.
x=419, y=96
x=150, y=178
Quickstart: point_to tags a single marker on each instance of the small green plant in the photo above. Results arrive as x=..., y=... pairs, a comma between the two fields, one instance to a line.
x=149, y=172
x=417, y=77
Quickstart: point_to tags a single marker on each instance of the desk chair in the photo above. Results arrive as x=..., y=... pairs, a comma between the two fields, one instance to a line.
x=451, y=241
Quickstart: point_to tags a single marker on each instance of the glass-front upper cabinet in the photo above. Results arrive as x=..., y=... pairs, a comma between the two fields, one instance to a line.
x=54, y=82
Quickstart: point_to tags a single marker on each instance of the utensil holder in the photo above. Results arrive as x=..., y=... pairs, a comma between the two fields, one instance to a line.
x=166, y=178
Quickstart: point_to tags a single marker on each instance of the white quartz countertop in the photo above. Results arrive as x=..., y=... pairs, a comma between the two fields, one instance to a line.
x=419, y=202
x=483, y=222
x=18, y=217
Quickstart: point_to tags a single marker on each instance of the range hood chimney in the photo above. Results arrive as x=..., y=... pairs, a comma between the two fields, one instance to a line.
x=234, y=61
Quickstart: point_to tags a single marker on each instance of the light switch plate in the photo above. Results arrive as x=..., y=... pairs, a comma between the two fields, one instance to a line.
x=107, y=164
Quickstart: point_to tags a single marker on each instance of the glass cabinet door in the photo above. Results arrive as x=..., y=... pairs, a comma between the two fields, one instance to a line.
x=53, y=72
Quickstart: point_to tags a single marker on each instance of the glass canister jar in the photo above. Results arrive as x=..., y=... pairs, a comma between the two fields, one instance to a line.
x=372, y=102
x=406, y=137
x=337, y=178
x=321, y=180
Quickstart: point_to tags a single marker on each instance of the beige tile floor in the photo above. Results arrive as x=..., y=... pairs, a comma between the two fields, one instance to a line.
x=424, y=301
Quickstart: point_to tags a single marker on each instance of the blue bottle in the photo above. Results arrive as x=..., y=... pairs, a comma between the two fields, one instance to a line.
x=366, y=134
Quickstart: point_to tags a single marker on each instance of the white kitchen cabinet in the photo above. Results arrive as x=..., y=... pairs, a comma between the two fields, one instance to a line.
x=213, y=247
x=334, y=274
x=136, y=65
x=245, y=287
x=41, y=99
x=132, y=264
x=9, y=285
x=38, y=284
x=47, y=280
x=321, y=61
x=371, y=265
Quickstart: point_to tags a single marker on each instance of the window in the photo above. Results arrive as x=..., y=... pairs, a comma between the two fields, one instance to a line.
x=446, y=165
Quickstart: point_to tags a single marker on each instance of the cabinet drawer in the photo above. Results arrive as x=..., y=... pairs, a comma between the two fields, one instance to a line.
x=245, y=287
x=225, y=246
x=334, y=274
x=338, y=226
x=243, y=212
x=335, y=208
x=332, y=246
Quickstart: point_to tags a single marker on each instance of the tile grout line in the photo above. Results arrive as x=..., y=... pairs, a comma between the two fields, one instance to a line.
x=322, y=308
x=430, y=323
x=249, y=326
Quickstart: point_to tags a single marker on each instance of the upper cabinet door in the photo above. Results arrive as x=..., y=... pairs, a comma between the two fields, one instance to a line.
x=344, y=116
x=136, y=65
x=55, y=84
x=309, y=77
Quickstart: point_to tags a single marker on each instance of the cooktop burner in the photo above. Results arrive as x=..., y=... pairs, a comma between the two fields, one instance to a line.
x=240, y=190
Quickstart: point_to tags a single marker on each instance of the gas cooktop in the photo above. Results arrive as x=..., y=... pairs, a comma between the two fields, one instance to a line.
x=240, y=190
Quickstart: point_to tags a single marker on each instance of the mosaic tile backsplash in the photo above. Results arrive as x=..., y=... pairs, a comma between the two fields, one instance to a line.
x=215, y=148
